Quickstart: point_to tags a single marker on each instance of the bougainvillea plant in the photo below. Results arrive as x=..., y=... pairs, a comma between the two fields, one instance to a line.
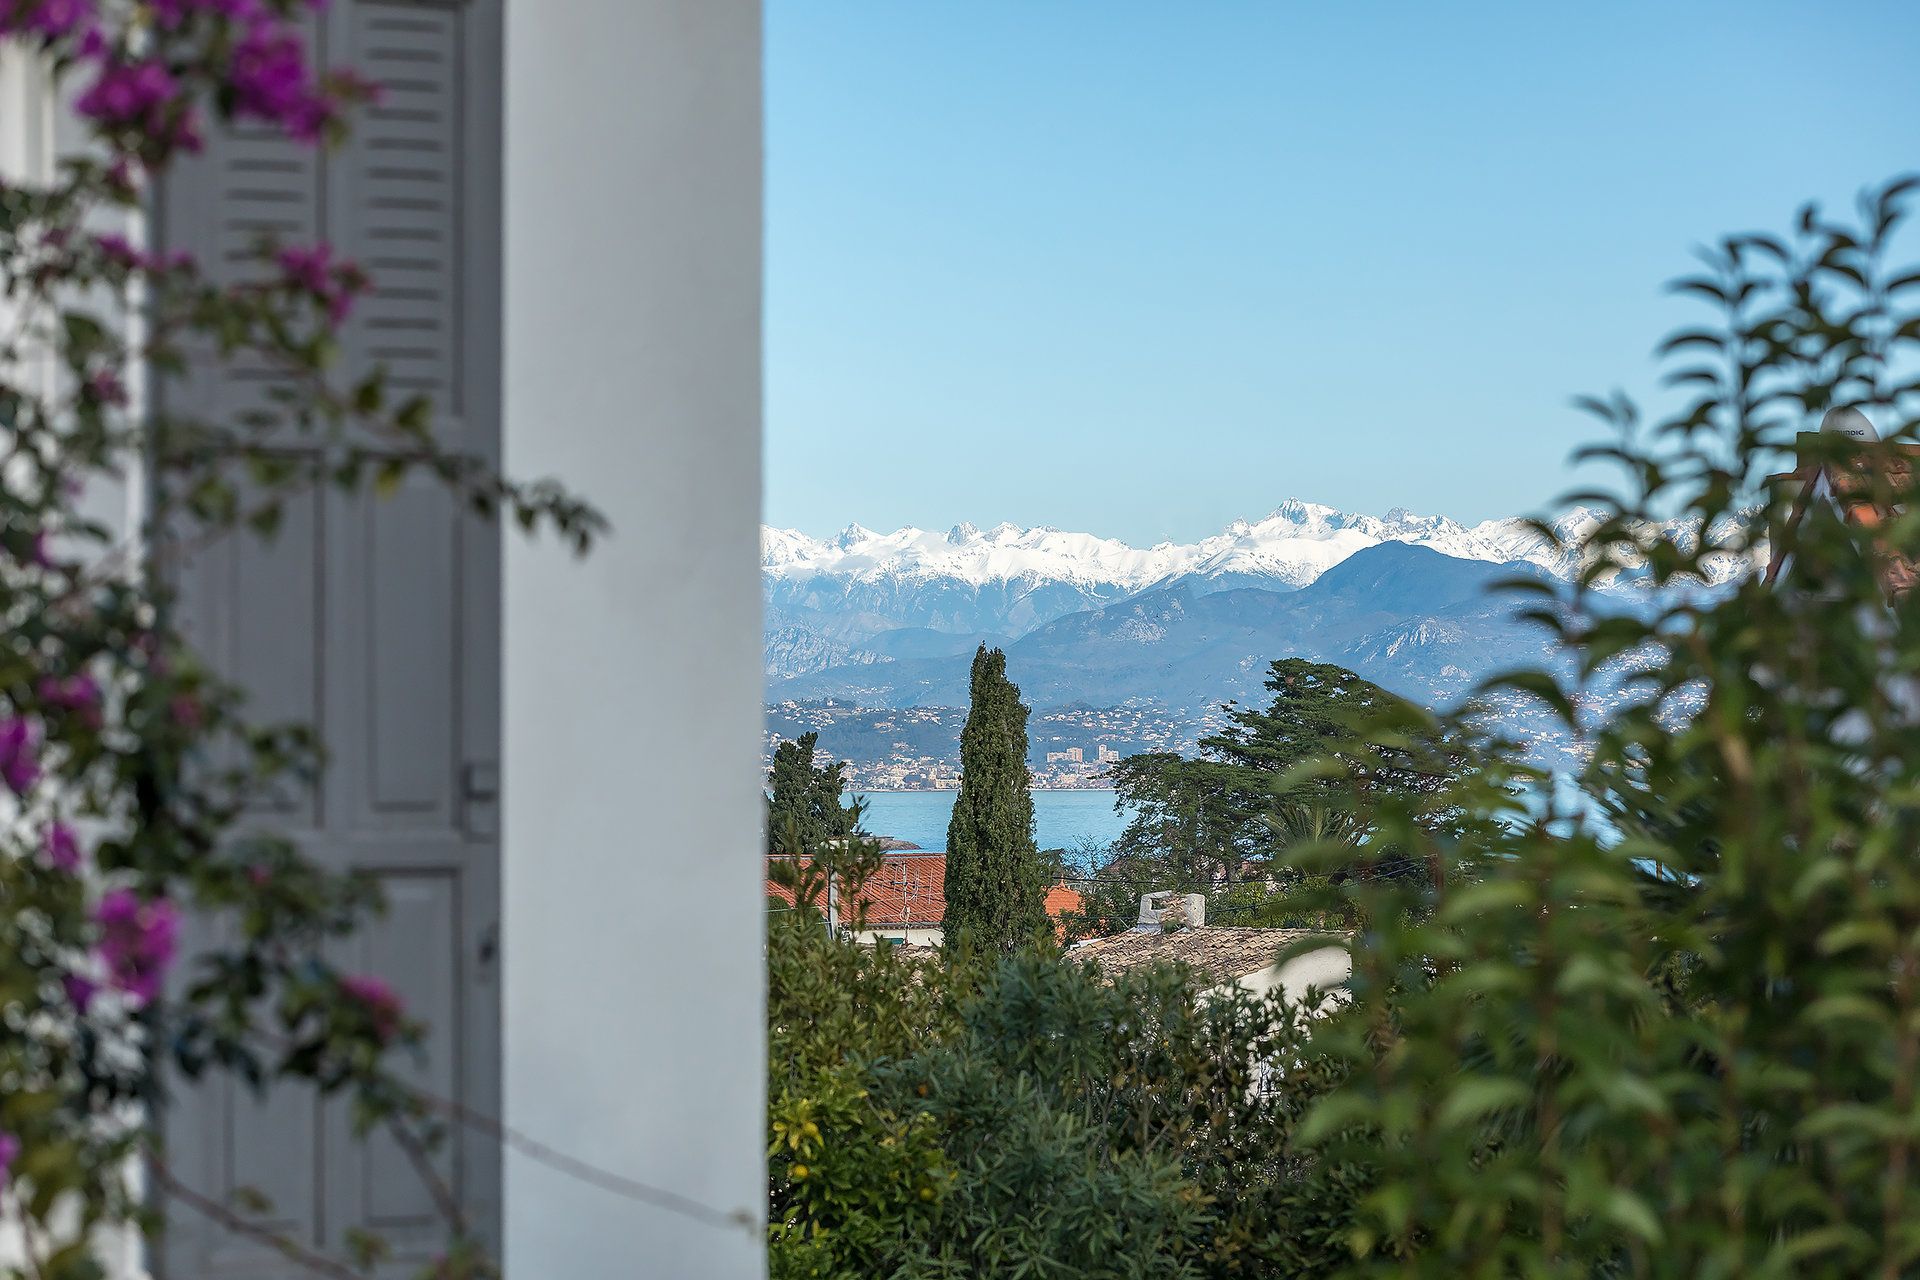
x=127, y=768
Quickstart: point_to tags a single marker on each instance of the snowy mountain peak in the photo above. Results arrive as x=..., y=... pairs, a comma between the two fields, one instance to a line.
x=1300, y=511
x=1290, y=547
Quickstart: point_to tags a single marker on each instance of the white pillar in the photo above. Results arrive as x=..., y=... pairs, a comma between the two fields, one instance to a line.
x=632, y=952
x=35, y=130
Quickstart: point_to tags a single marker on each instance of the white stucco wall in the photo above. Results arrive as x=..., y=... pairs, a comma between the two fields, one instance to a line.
x=1326, y=969
x=907, y=937
x=632, y=949
x=35, y=131
x=26, y=116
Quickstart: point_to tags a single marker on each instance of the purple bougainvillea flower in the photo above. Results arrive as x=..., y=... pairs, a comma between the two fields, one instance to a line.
x=308, y=122
x=368, y=989
x=105, y=386
x=186, y=711
x=19, y=754
x=80, y=991
x=137, y=942
x=308, y=268
x=73, y=693
x=51, y=18
x=378, y=999
x=186, y=134
x=130, y=93
x=270, y=79
x=63, y=847
x=77, y=694
x=334, y=283
x=119, y=250
x=9, y=1152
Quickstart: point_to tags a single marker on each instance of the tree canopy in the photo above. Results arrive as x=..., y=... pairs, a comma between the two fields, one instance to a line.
x=805, y=810
x=996, y=880
x=1278, y=776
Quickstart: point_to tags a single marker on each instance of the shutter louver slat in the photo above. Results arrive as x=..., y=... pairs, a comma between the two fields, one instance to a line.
x=405, y=169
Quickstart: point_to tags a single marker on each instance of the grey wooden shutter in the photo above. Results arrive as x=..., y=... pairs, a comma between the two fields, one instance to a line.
x=375, y=620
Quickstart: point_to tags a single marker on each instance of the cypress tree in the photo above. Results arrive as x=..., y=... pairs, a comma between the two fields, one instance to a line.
x=805, y=803
x=996, y=884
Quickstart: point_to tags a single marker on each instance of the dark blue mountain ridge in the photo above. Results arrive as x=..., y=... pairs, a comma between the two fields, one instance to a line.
x=1426, y=625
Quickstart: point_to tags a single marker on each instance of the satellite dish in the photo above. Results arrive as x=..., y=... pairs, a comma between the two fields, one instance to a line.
x=1851, y=423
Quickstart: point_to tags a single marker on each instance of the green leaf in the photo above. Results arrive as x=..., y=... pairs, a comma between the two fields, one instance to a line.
x=371, y=393
x=415, y=417
x=388, y=477
x=1477, y=1097
x=1626, y=1209
x=265, y=520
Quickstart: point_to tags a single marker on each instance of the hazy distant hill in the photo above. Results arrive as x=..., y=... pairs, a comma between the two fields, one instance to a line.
x=1421, y=623
x=1136, y=648
x=865, y=596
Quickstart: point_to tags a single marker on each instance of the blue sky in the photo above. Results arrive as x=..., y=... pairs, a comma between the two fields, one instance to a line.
x=1142, y=266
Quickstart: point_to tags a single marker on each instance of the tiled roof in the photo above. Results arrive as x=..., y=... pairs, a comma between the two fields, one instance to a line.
x=1219, y=954
x=1863, y=499
x=909, y=892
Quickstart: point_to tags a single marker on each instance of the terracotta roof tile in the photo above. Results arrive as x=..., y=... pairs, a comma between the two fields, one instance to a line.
x=909, y=892
x=1864, y=499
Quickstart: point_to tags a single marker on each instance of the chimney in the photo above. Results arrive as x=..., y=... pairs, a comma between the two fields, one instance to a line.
x=1166, y=911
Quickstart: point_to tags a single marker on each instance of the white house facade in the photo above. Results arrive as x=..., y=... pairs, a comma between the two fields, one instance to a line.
x=539, y=755
x=1172, y=929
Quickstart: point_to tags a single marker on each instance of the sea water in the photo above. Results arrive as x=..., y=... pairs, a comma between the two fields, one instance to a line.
x=1069, y=820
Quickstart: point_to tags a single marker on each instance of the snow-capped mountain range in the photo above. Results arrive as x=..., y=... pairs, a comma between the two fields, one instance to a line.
x=1290, y=547
x=887, y=620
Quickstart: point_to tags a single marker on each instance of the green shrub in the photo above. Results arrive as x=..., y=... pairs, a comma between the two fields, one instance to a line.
x=1660, y=1017
x=850, y=1175
x=1020, y=1115
x=1674, y=1028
